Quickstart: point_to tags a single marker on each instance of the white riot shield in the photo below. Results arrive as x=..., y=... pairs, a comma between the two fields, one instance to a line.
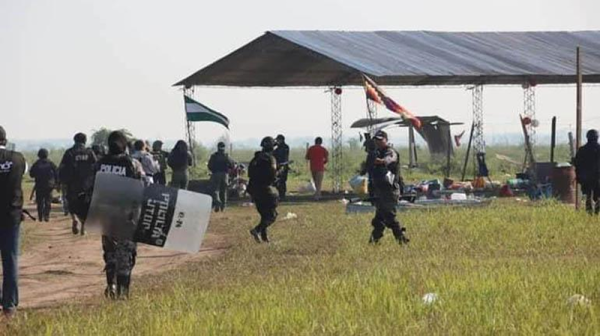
x=155, y=215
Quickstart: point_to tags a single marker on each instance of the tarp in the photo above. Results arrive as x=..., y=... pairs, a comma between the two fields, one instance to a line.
x=326, y=58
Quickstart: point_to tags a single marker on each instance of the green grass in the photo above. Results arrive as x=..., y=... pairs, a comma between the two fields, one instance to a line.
x=506, y=269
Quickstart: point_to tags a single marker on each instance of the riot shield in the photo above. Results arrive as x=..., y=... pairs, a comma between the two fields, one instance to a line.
x=155, y=215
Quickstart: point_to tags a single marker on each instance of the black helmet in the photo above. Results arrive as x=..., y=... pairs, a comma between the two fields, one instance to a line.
x=267, y=143
x=117, y=143
x=43, y=153
x=80, y=138
x=280, y=137
x=592, y=135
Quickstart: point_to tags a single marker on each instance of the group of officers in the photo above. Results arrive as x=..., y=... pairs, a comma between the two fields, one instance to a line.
x=268, y=171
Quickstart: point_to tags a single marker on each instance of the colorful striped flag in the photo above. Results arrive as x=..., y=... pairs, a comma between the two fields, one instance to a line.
x=376, y=94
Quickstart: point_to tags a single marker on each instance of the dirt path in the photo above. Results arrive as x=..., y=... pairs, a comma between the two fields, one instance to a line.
x=58, y=266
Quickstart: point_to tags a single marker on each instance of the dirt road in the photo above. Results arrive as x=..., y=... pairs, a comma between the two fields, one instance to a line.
x=58, y=266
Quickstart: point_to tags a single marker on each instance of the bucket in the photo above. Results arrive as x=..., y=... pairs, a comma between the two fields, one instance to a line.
x=563, y=183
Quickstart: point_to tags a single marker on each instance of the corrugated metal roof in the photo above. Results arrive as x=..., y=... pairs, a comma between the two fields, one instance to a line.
x=324, y=58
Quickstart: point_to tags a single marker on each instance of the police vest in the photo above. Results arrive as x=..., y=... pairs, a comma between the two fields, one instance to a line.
x=121, y=165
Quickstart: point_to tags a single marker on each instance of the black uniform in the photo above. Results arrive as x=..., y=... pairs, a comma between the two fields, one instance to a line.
x=76, y=170
x=119, y=253
x=386, y=192
x=282, y=156
x=262, y=171
x=587, y=166
x=12, y=168
x=45, y=174
x=219, y=165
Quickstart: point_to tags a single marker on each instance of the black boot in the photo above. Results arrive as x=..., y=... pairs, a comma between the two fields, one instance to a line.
x=401, y=237
x=74, y=228
x=123, y=282
x=111, y=289
x=255, y=234
x=264, y=236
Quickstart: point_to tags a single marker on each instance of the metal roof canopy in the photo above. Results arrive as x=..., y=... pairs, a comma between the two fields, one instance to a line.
x=404, y=58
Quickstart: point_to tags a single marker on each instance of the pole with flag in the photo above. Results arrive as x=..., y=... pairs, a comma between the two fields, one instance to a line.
x=377, y=95
x=198, y=112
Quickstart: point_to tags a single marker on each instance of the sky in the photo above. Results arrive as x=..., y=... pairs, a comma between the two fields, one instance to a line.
x=78, y=65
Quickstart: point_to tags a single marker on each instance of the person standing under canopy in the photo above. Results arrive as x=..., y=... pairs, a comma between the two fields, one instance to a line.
x=282, y=156
x=219, y=165
x=318, y=157
x=587, y=168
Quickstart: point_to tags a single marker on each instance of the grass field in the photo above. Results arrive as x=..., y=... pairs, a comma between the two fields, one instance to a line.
x=506, y=269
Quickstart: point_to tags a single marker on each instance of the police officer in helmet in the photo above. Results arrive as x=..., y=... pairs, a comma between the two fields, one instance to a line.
x=262, y=171
x=119, y=251
x=282, y=156
x=587, y=167
x=76, y=171
x=384, y=170
x=219, y=165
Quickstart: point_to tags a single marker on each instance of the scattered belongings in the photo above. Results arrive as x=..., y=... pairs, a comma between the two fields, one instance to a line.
x=430, y=298
x=358, y=206
x=579, y=300
x=289, y=215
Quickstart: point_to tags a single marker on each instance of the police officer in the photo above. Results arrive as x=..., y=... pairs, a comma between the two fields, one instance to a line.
x=76, y=171
x=160, y=156
x=119, y=251
x=384, y=169
x=262, y=172
x=219, y=165
x=587, y=166
x=282, y=156
x=45, y=174
x=12, y=168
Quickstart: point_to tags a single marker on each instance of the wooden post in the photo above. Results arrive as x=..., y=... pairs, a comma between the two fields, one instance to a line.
x=578, y=120
x=448, y=153
x=464, y=172
x=553, y=140
x=411, y=147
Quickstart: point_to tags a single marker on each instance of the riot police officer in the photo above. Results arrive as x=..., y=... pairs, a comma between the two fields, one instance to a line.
x=262, y=172
x=587, y=166
x=12, y=168
x=282, y=156
x=76, y=171
x=45, y=174
x=119, y=252
x=384, y=170
x=219, y=165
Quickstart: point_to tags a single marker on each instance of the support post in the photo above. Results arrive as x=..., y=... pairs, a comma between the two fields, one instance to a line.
x=478, y=137
x=464, y=172
x=371, y=113
x=190, y=128
x=412, y=151
x=336, y=138
x=448, y=155
x=529, y=112
x=578, y=127
x=553, y=139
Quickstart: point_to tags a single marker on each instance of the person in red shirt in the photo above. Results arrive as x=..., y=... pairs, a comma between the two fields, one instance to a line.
x=318, y=156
